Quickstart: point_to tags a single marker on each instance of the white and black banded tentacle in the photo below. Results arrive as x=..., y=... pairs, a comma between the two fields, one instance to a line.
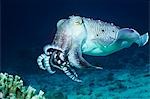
x=71, y=75
x=43, y=62
x=46, y=48
x=61, y=62
x=49, y=49
x=64, y=63
x=53, y=61
x=39, y=61
x=55, y=57
x=73, y=72
x=47, y=65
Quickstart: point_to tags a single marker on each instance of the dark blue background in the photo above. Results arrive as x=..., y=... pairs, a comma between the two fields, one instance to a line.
x=28, y=25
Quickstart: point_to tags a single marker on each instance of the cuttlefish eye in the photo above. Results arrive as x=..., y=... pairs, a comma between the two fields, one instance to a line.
x=78, y=22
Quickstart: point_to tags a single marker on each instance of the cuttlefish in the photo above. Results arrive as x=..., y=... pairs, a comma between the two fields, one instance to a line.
x=79, y=35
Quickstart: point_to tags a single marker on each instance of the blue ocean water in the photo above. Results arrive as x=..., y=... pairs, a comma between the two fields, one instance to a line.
x=28, y=25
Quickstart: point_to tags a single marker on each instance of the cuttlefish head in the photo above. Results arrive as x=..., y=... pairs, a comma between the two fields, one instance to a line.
x=76, y=27
x=73, y=26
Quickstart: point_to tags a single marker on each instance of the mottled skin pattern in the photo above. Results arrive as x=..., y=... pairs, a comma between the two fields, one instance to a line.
x=78, y=35
x=104, y=38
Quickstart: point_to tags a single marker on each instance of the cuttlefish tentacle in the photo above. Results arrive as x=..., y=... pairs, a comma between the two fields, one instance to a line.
x=43, y=62
x=47, y=65
x=40, y=61
x=70, y=72
x=75, y=57
x=60, y=61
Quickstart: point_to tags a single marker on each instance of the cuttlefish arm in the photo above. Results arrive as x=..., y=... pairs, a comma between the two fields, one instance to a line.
x=54, y=57
x=65, y=51
x=77, y=60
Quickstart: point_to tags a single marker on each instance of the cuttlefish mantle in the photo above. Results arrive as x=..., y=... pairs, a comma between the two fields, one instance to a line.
x=79, y=35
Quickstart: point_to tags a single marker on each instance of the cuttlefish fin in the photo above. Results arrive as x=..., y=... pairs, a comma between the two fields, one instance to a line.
x=142, y=40
x=130, y=36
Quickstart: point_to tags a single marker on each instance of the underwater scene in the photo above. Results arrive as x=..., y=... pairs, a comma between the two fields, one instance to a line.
x=75, y=49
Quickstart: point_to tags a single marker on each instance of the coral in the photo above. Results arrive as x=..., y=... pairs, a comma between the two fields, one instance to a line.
x=11, y=87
